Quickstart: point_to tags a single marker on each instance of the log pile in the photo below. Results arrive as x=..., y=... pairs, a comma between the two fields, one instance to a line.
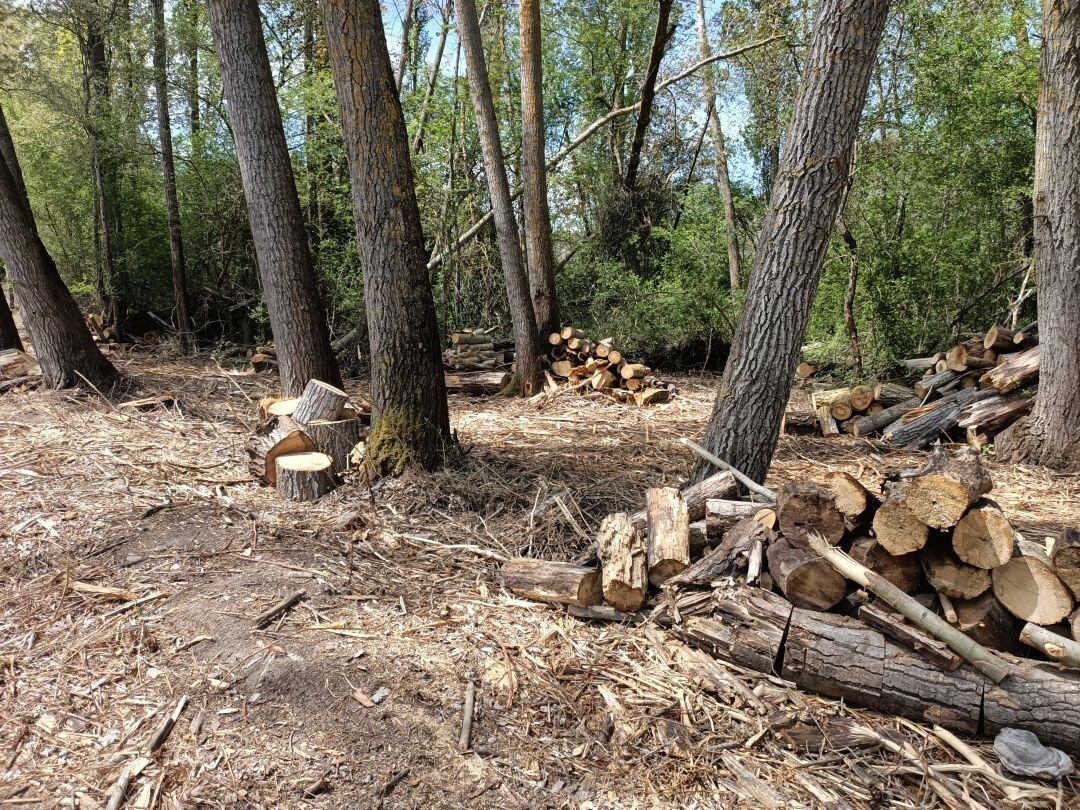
x=304, y=444
x=577, y=360
x=264, y=359
x=476, y=350
x=913, y=601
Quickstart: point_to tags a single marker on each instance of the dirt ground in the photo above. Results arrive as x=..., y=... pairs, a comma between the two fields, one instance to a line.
x=355, y=697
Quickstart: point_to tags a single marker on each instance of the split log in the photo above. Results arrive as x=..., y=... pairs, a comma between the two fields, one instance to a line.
x=938, y=418
x=722, y=514
x=896, y=527
x=902, y=570
x=934, y=382
x=872, y=423
x=802, y=508
x=622, y=556
x=549, y=581
x=984, y=537
x=805, y=578
x=602, y=379
x=480, y=383
x=1065, y=554
x=304, y=476
x=275, y=438
x=469, y=338
x=994, y=413
x=742, y=541
x=949, y=485
x=948, y=576
x=338, y=440
x=851, y=498
x=1039, y=697
x=1028, y=587
x=889, y=394
x=696, y=496
x=668, y=543
x=748, y=629
x=827, y=422
x=999, y=339
x=1017, y=370
x=903, y=632
x=986, y=621
x=320, y=402
x=1057, y=648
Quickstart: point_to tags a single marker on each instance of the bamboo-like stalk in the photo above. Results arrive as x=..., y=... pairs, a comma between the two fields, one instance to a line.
x=1058, y=648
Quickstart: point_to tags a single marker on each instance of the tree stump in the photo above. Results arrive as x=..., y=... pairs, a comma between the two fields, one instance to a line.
x=337, y=439
x=304, y=476
x=320, y=402
x=274, y=438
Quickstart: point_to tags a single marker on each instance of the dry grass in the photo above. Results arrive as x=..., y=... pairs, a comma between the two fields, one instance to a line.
x=402, y=603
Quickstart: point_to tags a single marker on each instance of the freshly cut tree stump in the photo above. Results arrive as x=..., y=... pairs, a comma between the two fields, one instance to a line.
x=622, y=557
x=889, y=394
x=806, y=579
x=903, y=570
x=668, y=544
x=719, y=486
x=1028, y=587
x=304, y=476
x=1065, y=554
x=950, y=485
x=896, y=527
x=479, y=383
x=988, y=623
x=1017, y=370
x=338, y=440
x=851, y=498
x=549, y=581
x=270, y=407
x=274, y=438
x=949, y=576
x=984, y=537
x=802, y=508
x=747, y=628
x=320, y=402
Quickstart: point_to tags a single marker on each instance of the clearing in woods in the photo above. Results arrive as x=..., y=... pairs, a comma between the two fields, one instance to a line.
x=354, y=696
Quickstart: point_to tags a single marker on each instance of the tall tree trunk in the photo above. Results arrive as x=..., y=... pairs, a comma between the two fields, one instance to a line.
x=527, y=345
x=410, y=422
x=648, y=92
x=850, y=326
x=723, y=181
x=541, y=259
x=753, y=394
x=433, y=80
x=277, y=224
x=168, y=171
x=58, y=332
x=9, y=333
x=1050, y=434
x=190, y=44
x=406, y=30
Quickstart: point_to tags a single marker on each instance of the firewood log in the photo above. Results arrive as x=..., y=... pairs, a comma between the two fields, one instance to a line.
x=841, y=410
x=889, y=394
x=825, y=419
x=1039, y=697
x=994, y=413
x=668, y=543
x=320, y=402
x=602, y=379
x=549, y=581
x=987, y=622
x=615, y=357
x=948, y=575
x=274, y=438
x=999, y=339
x=469, y=338
x=872, y=423
x=304, y=476
x=562, y=368
x=569, y=332
x=652, y=396
x=623, y=568
x=935, y=419
x=1057, y=648
x=1017, y=370
x=1065, y=554
x=921, y=363
x=748, y=628
x=984, y=537
x=731, y=557
x=721, y=515
x=555, y=339
x=634, y=384
x=949, y=485
x=852, y=499
x=803, y=508
x=934, y=381
x=1028, y=587
x=269, y=407
x=16, y=363
x=896, y=527
x=603, y=348
x=900, y=630
x=479, y=383
x=806, y=579
x=696, y=496
x=631, y=371
x=800, y=423
x=902, y=570
x=861, y=397
x=337, y=439
x=262, y=363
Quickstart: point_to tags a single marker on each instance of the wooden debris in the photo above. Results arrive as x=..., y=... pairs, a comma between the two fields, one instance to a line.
x=549, y=581
x=951, y=577
x=1065, y=554
x=805, y=578
x=802, y=508
x=1057, y=648
x=278, y=609
x=480, y=383
x=622, y=555
x=897, y=529
x=900, y=630
x=902, y=570
x=668, y=541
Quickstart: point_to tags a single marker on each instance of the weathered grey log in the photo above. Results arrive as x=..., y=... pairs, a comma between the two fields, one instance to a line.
x=721, y=514
x=934, y=382
x=889, y=394
x=1039, y=697
x=874, y=422
x=908, y=635
x=943, y=417
x=852, y=499
x=730, y=557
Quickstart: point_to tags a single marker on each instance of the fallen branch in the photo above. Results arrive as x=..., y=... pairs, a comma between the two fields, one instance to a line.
x=744, y=479
x=278, y=609
x=1057, y=648
x=464, y=739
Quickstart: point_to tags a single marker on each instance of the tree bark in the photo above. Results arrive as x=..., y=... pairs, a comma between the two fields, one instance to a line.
x=410, y=424
x=190, y=44
x=433, y=81
x=9, y=333
x=723, y=181
x=63, y=345
x=541, y=259
x=749, y=408
x=648, y=92
x=277, y=224
x=406, y=30
x=526, y=335
x=168, y=170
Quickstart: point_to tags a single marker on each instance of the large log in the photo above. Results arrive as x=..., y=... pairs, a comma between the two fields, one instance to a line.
x=320, y=402
x=549, y=581
x=273, y=438
x=748, y=629
x=889, y=394
x=994, y=413
x=871, y=423
x=622, y=557
x=852, y=499
x=696, y=496
x=903, y=570
x=1039, y=697
x=896, y=527
x=1028, y=587
x=999, y=339
x=668, y=543
x=948, y=487
x=304, y=476
x=469, y=338
x=1065, y=555
x=479, y=383
x=932, y=420
x=984, y=537
x=337, y=439
x=721, y=514
x=1017, y=370
x=803, y=508
x=805, y=578
x=988, y=623
x=16, y=363
x=900, y=630
x=947, y=575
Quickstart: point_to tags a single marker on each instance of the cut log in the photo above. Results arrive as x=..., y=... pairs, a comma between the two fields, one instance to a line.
x=889, y=394
x=948, y=576
x=16, y=363
x=549, y=581
x=872, y=423
x=603, y=348
x=262, y=363
x=1065, y=555
x=631, y=371
x=984, y=537
x=920, y=428
x=623, y=570
x=338, y=440
x=470, y=338
x=986, y=621
x=826, y=421
x=555, y=339
x=615, y=357
x=802, y=508
x=934, y=382
x=652, y=396
x=994, y=413
x=805, y=371
x=1028, y=587
x=920, y=363
x=805, y=578
x=731, y=557
x=722, y=514
x=896, y=527
x=668, y=543
x=479, y=383
x=948, y=487
x=999, y=339
x=270, y=407
x=320, y=402
x=304, y=476
x=1074, y=624
x=1039, y=697
x=851, y=498
x=562, y=368
x=1017, y=370
x=274, y=438
x=860, y=398
x=1057, y=648
x=903, y=632
x=569, y=332
x=722, y=485
x=602, y=379
x=800, y=423
x=902, y=570
x=840, y=409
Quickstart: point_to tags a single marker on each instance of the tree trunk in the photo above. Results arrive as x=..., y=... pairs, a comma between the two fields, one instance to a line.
x=526, y=335
x=723, y=181
x=754, y=391
x=190, y=45
x=410, y=424
x=9, y=333
x=63, y=345
x=648, y=92
x=406, y=30
x=541, y=259
x=277, y=224
x=168, y=170
x=433, y=81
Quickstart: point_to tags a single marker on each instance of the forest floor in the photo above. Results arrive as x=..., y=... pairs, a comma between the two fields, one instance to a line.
x=355, y=697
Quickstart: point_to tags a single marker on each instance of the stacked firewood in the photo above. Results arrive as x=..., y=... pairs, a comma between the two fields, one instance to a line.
x=264, y=359
x=304, y=444
x=475, y=350
x=842, y=585
x=581, y=361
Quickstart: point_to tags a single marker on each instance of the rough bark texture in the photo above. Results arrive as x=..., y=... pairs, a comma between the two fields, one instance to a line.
x=696, y=497
x=668, y=542
x=1050, y=435
x=277, y=224
x=750, y=404
x=433, y=80
x=804, y=508
x=63, y=345
x=304, y=476
x=547, y=581
x=622, y=554
x=168, y=171
x=526, y=335
x=1039, y=697
x=749, y=629
x=409, y=416
x=9, y=333
x=806, y=579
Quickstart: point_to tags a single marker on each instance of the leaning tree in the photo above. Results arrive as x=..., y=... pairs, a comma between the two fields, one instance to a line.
x=9, y=332
x=806, y=196
x=410, y=423
x=1050, y=434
